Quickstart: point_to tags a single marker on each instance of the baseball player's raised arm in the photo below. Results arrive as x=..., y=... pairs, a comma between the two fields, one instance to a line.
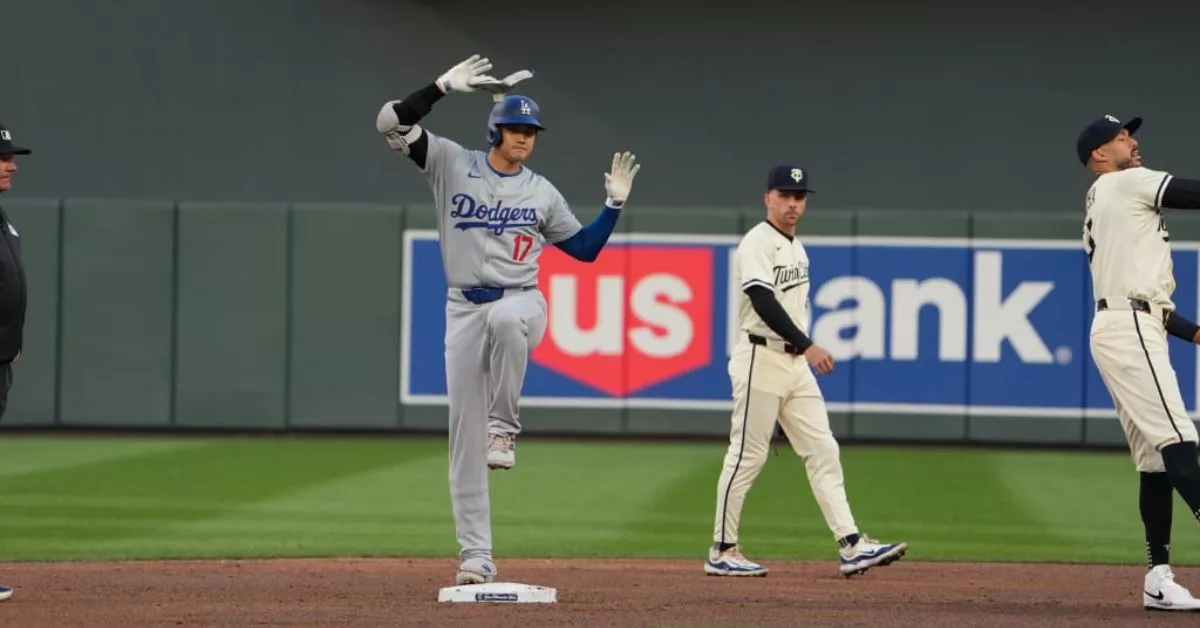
x=585, y=243
x=1182, y=194
x=397, y=119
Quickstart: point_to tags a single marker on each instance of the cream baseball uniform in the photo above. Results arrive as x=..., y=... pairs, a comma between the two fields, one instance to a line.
x=771, y=385
x=1129, y=254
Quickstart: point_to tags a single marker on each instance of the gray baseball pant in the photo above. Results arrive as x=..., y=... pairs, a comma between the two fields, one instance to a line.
x=487, y=352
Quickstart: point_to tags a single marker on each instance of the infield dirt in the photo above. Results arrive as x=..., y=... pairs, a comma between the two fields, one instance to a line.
x=395, y=592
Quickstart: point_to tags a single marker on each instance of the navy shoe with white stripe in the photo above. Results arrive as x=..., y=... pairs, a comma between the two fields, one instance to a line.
x=867, y=553
x=5, y=593
x=731, y=563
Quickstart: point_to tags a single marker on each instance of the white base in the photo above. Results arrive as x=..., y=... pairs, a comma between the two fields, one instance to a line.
x=502, y=592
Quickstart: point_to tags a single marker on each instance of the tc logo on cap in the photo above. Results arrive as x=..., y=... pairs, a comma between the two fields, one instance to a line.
x=5, y=135
x=797, y=174
x=1112, y=119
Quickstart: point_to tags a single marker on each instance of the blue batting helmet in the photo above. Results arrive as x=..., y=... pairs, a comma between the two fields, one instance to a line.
x=513, y=110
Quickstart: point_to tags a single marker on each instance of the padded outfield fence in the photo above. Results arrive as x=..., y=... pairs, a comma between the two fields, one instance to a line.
x=949, y=326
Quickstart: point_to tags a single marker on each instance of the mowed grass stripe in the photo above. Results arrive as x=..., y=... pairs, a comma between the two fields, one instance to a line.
x=375, y=512
x=948, y=504
x=405, y=509
x=608, y=487
x=193, y=485
x=390, y=497
x=1091, y=503
x=21, y=455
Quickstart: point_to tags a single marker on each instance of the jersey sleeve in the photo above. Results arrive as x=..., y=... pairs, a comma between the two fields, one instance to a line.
x=560, y=222
x=441, y=156
x=1145, y=186
x=755, y=264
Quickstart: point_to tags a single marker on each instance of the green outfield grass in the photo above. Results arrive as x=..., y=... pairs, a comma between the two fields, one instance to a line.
x=125, y=497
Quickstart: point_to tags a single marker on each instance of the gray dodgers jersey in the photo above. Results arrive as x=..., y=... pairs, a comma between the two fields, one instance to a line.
x=492, y=227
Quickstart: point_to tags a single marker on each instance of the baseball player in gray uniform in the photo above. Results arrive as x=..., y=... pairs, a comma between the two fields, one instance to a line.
x=1129, y=255
x=494, y=216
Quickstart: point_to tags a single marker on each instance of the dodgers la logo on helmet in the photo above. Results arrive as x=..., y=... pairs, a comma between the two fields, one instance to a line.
x=513, y=110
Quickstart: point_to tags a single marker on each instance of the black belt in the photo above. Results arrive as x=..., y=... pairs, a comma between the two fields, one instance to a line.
x=787, y=346
x=1140, y=305
x=487, y=294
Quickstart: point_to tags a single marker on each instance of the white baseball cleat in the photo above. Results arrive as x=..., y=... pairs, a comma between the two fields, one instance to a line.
x=731, y=563
x=476, y=570
x=5, y=592
x=868, y=553
x=502, y=451
x=1162, y=593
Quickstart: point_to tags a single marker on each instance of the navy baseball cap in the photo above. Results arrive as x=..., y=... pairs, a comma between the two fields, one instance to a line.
x=788, y=177
x=6, y=145
x=1100, y=132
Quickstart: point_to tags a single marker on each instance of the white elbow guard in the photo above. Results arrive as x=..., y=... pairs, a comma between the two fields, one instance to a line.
x=387, y=122
x=401, y=141
x=399, y=136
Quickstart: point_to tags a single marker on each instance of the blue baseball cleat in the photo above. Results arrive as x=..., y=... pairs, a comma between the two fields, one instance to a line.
x=868, y=553
x=731, y=563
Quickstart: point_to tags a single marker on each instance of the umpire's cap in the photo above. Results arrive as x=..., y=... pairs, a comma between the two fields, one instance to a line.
x=788, y=177
x=6, y=145
x=1100, y=132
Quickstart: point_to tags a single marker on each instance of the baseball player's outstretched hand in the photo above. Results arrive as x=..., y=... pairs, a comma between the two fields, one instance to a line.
x=619, y=182
x=819, y=359
x=465, y=76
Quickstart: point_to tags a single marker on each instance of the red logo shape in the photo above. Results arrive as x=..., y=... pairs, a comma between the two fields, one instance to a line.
x=637, y=316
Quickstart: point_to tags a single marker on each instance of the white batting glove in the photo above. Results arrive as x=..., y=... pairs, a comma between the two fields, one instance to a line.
x=500, y=87
x=465, y=76
x=619, y=182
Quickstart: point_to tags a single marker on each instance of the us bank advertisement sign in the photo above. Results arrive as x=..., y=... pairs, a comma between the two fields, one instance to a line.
x=917, y=325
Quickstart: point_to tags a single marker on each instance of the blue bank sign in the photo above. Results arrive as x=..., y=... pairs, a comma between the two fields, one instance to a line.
x=918, y=325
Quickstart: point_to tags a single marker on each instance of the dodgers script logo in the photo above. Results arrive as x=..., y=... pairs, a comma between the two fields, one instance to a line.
x=495, y=219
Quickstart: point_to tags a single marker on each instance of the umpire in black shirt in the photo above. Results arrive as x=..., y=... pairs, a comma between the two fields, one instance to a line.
x=12, y=285
x=12, y=276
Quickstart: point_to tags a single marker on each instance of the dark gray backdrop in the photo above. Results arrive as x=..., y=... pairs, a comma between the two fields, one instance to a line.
x=891, y=105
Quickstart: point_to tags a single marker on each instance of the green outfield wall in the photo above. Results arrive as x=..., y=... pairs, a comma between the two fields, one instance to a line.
x=281, y=316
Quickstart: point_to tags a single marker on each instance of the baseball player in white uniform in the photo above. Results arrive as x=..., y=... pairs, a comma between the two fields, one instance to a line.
x=771, y=371
x=1129, y=255
x=494, y=216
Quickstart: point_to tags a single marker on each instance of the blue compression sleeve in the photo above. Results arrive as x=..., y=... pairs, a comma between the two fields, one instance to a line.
x=586, y=244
